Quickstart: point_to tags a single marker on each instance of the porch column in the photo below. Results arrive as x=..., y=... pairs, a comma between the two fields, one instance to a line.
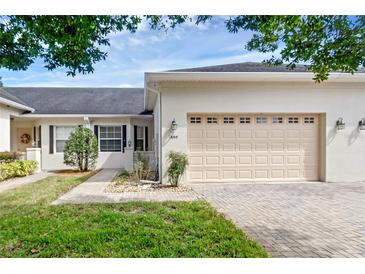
x=129, y=149
x=34, y=153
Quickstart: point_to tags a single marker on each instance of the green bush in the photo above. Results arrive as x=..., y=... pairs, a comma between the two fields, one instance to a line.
x=178, y=162
x=7, y=157
x=17, y=168
x=81, y=149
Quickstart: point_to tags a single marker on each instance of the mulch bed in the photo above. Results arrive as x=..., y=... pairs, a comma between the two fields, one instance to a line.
x=132, y=187
x=72, y=172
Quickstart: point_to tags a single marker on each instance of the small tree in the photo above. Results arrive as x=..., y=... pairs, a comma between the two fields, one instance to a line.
x=178, y=162
x=81, y=149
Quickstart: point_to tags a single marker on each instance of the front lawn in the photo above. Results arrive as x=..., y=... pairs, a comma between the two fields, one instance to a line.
x=31, y=227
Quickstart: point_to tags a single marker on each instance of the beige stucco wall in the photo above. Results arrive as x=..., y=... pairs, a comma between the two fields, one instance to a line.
x=342, y=152
x=5, y=132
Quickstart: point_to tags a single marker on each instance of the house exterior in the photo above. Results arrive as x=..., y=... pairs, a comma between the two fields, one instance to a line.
x=243, y=122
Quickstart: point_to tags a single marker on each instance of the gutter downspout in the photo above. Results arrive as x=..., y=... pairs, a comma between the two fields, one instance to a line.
x=160, y=131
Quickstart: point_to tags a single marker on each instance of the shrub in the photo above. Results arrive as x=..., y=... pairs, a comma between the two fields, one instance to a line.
x=178, y=162
x=81, y=149
x=141, y=167
x=7, y=157
x=17, y=168
x=123, y=176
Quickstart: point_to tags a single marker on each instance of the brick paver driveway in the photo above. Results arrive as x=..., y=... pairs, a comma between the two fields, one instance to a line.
x=296, y=220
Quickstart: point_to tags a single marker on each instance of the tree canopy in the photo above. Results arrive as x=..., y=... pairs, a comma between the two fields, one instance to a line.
x=325, y=43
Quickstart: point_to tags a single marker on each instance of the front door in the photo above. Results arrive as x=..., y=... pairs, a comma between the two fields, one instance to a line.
x=24, y=138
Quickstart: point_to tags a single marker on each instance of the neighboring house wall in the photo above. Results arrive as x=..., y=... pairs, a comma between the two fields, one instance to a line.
x=342, y=152
x=5, y=132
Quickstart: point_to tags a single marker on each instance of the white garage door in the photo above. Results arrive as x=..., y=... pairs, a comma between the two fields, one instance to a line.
x=253, y=147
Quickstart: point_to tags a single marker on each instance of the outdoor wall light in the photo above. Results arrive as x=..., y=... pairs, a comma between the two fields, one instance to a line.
x=173, y=125
x=129, y=143
x=362, y=124
x=173, y=128
x=340, y=124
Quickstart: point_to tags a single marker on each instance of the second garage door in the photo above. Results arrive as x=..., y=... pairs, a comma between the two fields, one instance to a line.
x=253, y=147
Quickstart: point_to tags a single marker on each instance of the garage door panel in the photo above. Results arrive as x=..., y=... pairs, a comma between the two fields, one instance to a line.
x=261, y=133
x=262, y=174
x=229, y=133
x=308, y=133
x=229, y=147
x=229, y=174
x=277, y=160
x=293, y=172
x=293, y=133
x=293, y=147
x=196, y=147
x=293, y=160
x=277, y=133
x=212, y=147
x=277, y=147
x=229, y=160
x=245, y=133
x=212, y=160
x=212, y=174
x=195, y=174
x=196, y=133
x=196, y=160
x=247, y=147
x=259, y=148
x=277, y=173
x=212, y=133
x=261, y=160
x=245, y=160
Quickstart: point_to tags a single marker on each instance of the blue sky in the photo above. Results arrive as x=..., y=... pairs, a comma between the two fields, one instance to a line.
x=130, y=55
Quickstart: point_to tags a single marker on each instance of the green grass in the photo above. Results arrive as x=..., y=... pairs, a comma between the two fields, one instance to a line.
x=31, y=227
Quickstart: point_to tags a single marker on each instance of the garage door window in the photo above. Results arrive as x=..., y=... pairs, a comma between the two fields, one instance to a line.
x=228, y=120
x=308, y=120
x=277, y=120
x=195, y=120
x=293, y=120
x=261, y=120
x=212, y=120
x=245, y=120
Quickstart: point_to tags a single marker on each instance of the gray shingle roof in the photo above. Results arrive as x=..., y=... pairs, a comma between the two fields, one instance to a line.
x=80, y=100
x=6, y=95
x=248, y=67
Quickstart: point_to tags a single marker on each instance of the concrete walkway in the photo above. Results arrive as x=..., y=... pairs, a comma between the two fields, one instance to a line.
x=20, y=181
x=92, y=191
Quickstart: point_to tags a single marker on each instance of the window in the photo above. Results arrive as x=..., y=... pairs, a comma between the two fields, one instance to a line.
x=245, y=120
x=62, y=134
x=293, y=120
x=140, y=139
x=308, y=120
x=261, y=120
x=277, y=120
x=228, y=120
x=212, y=120
x=110, y=138
x=195, y=120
